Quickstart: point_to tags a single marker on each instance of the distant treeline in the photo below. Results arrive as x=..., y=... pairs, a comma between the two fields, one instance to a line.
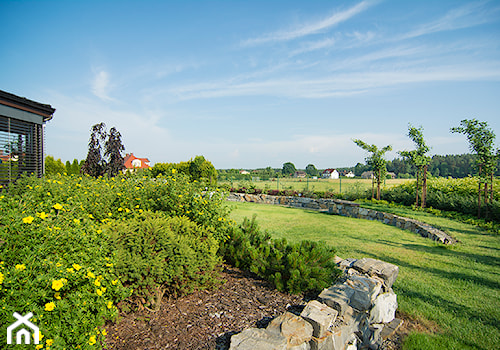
x=456, y=166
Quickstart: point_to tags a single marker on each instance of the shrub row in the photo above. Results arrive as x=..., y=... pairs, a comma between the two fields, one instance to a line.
x=303, y=267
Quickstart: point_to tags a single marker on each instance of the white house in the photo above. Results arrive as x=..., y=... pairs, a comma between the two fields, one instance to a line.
x=349, y=174
x=330, y=174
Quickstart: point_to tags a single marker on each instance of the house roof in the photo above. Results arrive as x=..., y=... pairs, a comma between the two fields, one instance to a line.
x=11, y=100
x=129, y=158
x=328, y=171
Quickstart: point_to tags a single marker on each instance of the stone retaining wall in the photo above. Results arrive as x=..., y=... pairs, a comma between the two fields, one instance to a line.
x=358, y=312
x=350, y=209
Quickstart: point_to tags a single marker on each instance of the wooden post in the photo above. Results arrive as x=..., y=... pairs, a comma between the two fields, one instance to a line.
x=424, y=186
x=479, y=194
x=417, y=187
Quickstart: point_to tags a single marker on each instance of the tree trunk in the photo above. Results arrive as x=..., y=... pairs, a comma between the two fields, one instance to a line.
x=378, y=184
x=424, y=186
x=373, y=186
x=491, y=189
x=479, y=194
x=417, y=187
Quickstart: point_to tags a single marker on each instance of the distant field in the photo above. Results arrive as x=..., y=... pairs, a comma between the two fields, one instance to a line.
x=336, y=186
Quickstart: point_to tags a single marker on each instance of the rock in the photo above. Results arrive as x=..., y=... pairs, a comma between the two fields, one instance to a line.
x=384, y=308
x=320, y=316
x=390, y=328
x=388, y=272
x=365, y=291
x=258, y=339
x=323, y=343
x=294, y=328
x=337, y=297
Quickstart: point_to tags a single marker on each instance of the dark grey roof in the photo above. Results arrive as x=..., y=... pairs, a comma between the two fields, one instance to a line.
x=45, y=110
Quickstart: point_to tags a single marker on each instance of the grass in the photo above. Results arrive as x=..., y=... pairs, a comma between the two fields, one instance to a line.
x=456, y=287
x=336, y=186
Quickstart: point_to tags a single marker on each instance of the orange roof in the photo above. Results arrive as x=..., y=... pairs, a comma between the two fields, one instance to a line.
x=132, y=162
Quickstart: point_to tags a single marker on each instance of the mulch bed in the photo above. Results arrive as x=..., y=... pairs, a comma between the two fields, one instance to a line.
x=206, y=319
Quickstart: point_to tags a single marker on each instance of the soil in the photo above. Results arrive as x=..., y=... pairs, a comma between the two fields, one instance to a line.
x=206, y=319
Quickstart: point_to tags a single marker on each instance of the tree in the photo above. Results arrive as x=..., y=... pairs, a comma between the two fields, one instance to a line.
x=94, y=163
x=112, y=162
x=376, y=161
x=53, y=166
x=113, y=152
x=481, y=141
x=311, y=170
x=420, y=160
x=200, y=168
x=288, y=169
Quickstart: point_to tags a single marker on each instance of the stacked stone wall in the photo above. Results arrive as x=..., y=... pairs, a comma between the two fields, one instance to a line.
x=357, y=312
x=349, y=209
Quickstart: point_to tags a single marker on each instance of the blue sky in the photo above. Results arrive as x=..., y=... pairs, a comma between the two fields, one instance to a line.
x=253, y=84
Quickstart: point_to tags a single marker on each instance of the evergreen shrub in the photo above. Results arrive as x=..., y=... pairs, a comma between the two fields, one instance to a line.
x=157, y=254
x=296, y=268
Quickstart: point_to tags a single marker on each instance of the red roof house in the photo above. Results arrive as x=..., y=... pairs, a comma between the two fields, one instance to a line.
x=131, y=162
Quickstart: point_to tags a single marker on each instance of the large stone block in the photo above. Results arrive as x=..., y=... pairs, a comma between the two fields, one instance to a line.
x=337, y=297
x=388, y=272
x=366, y=291
x=323, y=343
x=258, y=339
x=294, y=328
x=320, y=316
x=384, y=308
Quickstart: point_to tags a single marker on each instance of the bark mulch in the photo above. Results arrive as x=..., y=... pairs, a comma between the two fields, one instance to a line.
x=206, y=319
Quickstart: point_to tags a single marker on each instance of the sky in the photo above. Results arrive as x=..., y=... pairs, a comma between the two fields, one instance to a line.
x=251, y=84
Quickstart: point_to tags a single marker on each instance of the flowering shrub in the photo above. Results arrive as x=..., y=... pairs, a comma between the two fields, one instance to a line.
x=57, y=259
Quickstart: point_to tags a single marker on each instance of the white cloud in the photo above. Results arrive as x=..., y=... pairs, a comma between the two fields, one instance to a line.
x=101, y=85
x=310, y=28
x=469, y=15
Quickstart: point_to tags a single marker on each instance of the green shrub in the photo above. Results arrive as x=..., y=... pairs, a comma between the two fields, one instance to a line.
x=303, y=267
x=459, y=195
x=52, y=230
x=157, y=254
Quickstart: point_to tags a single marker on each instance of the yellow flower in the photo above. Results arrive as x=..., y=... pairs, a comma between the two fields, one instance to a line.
x=57, y=284
x=28, y=219
x=90, y=275
x=76, y=221
x=97, y=283
x=109, y=304
x=57, y=206
x=91, y=216
x=114, y=283
x=76, y=267
x=92, y=340
x=20, y=267
x=50, y=306
x=110, y=214
x=42, y=215
x=99, y=292
x=49, y=342
x=70, y=270
x=174, y=171
x=57, y=296
x=39, y=346
x=104, y=332
x=1, y=277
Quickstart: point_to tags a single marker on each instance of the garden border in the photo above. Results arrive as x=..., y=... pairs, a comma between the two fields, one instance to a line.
x=349, y=209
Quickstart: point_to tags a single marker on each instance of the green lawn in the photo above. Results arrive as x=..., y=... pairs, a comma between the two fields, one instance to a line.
x=456, y=287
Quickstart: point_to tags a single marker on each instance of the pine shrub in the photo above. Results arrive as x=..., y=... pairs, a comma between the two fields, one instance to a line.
x=157, y=254
x=296, y=268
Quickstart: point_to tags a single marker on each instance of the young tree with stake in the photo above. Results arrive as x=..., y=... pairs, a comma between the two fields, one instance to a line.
x=376, y=161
